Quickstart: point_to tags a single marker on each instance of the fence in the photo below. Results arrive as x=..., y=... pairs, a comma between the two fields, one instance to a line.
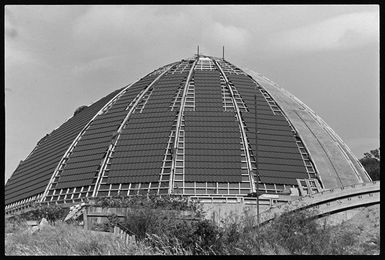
x=96, y=215
x=125, y=234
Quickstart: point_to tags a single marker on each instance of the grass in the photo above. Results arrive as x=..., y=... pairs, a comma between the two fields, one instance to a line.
x=158, y=232
x=64, y=239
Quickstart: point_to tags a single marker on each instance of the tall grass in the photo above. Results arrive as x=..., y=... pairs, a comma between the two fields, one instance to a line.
x=64, y=239
x=161, y=232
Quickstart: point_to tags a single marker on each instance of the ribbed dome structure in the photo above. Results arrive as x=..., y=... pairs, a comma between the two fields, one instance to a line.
x=186, y=128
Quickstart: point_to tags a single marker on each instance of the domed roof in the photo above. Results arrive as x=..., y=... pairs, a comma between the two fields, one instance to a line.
x=187, y=128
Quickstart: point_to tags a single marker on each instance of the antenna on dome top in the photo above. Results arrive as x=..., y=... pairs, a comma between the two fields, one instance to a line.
x=223, y=52
x=198, y=51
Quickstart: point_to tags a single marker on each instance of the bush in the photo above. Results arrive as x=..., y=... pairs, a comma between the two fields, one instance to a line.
x=51, y=212
x=198, y=237
x=293, y=231
x=149, y=224
x=165, y=202
x=161, y=231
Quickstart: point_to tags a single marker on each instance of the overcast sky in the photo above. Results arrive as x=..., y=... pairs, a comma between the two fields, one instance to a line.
x=58, y=58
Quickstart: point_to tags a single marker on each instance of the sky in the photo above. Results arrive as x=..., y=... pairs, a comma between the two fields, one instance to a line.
x=58, y=58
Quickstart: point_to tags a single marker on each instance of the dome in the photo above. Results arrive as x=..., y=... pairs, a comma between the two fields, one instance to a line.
x=187, y=128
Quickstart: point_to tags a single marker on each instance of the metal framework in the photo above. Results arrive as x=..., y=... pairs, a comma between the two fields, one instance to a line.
x=22, y=204
x=122, y=125
x=322, y=123
x=229, y=105
x=206, y=188
x=178, y=127
x=66, y=155
x=245, y=141
x=161, y=186
x=172, y=173
x=309, y=165
x=78, y=193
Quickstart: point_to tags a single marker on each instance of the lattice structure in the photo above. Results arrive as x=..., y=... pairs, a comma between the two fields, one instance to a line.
x=306, y=158
x=76, y=193
x=308, y=186
x=200, y=127
x=226, y=96
x=179, y=166
x=207, y=188
x=142, y=188
x=166, y=171
x=182, y=186
x=245, y=171
x=183, y=66
x=177, y=97
x=162, y=69
x=277, y=111
x=22, y=204
x=205, y=64
x=301, y=147
x=344, y=149
x=274, y=107
x=139, y=108
x=229, y=68
x=241, y=105
x=190, y=96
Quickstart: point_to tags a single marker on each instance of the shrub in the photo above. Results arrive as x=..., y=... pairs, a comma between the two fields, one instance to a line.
x=199, y=237
x=166, y=202
x=161, y=230
x=51, y=212
x=293, y=231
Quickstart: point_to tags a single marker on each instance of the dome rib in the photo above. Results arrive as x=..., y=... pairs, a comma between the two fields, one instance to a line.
x=77, y=138
x=72, y=176
x=178, y=126
x=187, y=128
x=268, y=172
x=119, y=131
x=341, y=163
x=243, y=132
x=27, y=183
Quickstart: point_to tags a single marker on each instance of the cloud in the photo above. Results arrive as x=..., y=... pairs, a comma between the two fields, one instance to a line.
x=10, y=24
x=15, y=57
x=96, y=64
x=231, y=36
x=345, y=31
x=125, y=29
x=359, y=146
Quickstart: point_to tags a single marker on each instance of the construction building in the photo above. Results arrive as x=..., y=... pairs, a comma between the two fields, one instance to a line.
x=187, y=128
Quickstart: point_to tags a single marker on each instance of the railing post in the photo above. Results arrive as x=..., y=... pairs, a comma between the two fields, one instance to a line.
x=85, y=218
x=115, y=230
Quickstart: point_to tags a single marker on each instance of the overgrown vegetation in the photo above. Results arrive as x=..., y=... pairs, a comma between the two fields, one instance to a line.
x=50, y=212
x=165, y=202
x=159, y=229
x=65, y=239
x=371, y=163
x=79, y=109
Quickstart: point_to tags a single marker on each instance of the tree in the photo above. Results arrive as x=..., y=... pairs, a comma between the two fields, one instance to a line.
x=371, y=163
x=79, y=109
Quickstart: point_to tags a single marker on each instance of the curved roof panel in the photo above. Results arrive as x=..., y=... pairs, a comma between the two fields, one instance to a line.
x=191, y=127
